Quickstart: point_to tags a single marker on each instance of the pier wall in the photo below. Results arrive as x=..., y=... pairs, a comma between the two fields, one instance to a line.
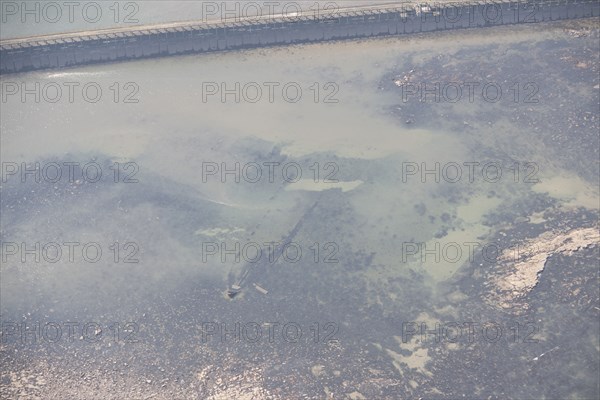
x=155, y=41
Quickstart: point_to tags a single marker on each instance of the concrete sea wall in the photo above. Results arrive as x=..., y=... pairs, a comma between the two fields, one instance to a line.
x=59, y=51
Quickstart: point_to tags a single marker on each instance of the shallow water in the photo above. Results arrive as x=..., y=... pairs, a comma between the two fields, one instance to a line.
x=359, y=269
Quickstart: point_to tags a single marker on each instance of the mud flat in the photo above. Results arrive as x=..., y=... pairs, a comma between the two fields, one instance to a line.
x=369, y=293
x=519, y=269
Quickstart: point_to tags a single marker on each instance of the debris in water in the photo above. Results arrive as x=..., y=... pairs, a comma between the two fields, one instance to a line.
x=260, y=289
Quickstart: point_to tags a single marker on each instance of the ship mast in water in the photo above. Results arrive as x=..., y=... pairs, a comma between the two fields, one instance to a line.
x=250, y=268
